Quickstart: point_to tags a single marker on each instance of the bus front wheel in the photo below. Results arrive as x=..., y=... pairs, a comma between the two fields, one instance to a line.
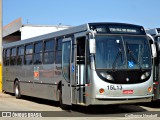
x=17, y=90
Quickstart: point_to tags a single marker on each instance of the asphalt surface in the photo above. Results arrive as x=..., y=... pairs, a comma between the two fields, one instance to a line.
x=41, y=108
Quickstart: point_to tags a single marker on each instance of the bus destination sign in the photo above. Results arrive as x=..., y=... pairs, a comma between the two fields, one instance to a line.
x=124, y=30
x=118, y=29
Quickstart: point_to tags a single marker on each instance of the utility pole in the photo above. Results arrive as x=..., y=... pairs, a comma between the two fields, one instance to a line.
x=1, y=45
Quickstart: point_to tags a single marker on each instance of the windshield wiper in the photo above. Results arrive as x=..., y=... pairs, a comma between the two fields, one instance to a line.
x=116, y=59
x=133, y=57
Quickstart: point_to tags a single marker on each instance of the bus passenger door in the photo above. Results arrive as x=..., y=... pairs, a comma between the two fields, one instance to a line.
x=66, y=63
x=81, y=69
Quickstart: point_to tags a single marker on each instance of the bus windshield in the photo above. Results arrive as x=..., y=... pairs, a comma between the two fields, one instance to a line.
x=122, y=52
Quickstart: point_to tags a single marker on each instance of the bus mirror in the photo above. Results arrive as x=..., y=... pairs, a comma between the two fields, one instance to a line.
x=154, y=52
x=92, y=46
x=153, y=46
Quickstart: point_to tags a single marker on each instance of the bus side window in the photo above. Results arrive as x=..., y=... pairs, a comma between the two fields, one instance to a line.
x=7, y=57
x=13, y=56
x=37, y=57
x=48, y=52
x=59, y=51
x=28, y=54
x=4, y=51
x=158, y=42
x=20, y=59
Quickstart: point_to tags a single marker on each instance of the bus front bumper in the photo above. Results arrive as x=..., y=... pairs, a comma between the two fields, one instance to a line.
x=101, y=100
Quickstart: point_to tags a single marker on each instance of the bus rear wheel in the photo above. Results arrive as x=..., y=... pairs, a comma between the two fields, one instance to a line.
x=17, y=90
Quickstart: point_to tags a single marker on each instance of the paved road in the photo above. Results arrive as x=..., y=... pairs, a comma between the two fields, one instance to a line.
x=29, y=106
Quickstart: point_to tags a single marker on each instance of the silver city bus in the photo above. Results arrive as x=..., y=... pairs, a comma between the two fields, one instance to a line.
x=91, y=64
x=155, y=33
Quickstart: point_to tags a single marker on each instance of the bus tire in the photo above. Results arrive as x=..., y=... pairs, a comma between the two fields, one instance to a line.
x=63, y=106
x=17, y=90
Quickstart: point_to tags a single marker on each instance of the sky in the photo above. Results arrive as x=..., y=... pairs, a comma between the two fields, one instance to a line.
x=77, y=12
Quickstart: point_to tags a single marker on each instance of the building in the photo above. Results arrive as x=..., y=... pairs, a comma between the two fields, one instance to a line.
x=16, y=31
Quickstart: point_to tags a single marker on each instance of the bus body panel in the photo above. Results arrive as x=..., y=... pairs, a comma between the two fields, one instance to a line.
x=131, y=93
x=122, y=91
x=44, y=87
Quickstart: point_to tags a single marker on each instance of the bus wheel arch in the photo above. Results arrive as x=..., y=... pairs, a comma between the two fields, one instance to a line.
x=58, y=89
x=17, y=89
x=16, y=79
x=59, y=96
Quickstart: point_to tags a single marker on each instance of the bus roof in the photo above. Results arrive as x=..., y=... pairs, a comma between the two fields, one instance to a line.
x=113, y=23
x=49, y=35
x=66, y=32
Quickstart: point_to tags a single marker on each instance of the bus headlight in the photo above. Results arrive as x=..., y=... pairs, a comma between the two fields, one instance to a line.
x=107, y=76
x=145, y=75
